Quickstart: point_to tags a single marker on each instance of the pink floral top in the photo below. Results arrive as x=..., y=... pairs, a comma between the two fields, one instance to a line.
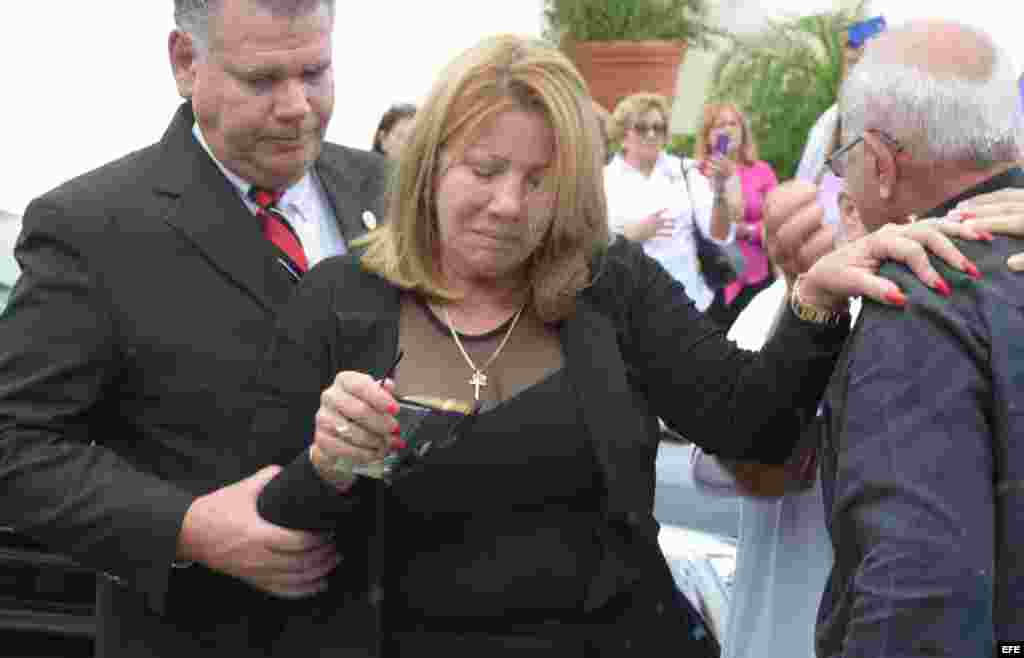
x=756, y=180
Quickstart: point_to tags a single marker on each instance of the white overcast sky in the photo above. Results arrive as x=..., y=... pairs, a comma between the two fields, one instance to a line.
x=85, y=82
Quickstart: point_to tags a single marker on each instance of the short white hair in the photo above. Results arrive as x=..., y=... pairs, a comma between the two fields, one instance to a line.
x=936, y=118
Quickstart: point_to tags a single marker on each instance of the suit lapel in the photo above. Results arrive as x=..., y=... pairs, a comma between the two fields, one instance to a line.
x=342, y=186
x=211, y=215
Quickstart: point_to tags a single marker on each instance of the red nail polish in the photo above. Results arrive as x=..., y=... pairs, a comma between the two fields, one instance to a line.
x=971, y=269
x=397, y=431
x=398, y=444
x=942, y=287
x=393, y=408
x=896, y=298
x=985, y=235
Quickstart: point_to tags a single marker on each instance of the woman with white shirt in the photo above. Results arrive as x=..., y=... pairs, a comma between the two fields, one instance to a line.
x=655, y=198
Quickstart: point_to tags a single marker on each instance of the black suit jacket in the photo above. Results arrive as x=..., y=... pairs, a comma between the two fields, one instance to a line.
x=147, y=299
x=636, y=349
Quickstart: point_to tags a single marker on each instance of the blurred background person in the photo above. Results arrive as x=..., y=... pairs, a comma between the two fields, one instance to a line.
x=657, y=199
x=825, y=135
x=750, y=179
x=394, y=129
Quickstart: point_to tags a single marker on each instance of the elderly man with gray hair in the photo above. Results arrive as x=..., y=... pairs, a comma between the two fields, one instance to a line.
x=923, y=458
x=149, y=293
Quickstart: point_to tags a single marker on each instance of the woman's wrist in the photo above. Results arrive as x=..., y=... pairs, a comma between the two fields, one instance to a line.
x=815, y=303
x=338, y=473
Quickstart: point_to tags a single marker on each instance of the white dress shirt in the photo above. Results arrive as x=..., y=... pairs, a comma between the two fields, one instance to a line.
x=304, y=204
x=632, y=195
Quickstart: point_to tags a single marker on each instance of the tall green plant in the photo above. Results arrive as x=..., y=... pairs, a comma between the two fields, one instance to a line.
x=627, y=20
x=784, y=78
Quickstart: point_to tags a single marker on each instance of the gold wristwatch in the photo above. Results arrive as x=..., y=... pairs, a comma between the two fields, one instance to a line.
x=812, y=313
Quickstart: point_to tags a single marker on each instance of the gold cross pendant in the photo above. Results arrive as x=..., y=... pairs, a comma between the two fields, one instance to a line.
x=477, y=381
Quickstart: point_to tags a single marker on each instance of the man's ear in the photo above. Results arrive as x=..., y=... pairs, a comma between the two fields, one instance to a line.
x=886, y=165
x=182, y=52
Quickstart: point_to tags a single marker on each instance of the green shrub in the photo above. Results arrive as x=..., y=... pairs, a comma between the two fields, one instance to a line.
x=784, y=78
x=682, y=145
x=627, y=20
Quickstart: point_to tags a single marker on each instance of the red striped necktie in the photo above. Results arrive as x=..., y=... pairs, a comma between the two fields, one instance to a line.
x=278, y=230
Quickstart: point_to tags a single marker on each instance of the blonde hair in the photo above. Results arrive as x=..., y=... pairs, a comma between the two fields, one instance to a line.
x=631, y=107
x=499, y=74
x=702, y=148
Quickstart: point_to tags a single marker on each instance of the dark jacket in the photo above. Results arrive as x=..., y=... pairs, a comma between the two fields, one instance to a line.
x=923, y=466
x=636, y=349
x=147, y=300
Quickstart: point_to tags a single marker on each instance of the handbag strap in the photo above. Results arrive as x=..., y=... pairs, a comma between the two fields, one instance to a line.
x=692, y=203
x=689, y=192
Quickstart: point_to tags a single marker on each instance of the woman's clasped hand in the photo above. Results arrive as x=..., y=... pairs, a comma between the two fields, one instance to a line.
x=355, y=425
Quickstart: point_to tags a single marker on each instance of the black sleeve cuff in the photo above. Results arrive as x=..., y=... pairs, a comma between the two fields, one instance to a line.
x=298, y=498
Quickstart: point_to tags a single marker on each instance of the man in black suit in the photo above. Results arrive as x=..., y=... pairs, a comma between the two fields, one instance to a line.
x=923, y=459
x=149, y=292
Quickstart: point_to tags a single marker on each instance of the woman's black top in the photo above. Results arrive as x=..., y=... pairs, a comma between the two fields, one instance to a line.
x=502, y=523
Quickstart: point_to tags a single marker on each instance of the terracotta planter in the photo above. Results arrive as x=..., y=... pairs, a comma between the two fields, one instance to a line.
x=616, y=69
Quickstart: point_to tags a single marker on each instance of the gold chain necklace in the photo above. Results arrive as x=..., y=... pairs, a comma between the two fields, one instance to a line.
x=479, y=378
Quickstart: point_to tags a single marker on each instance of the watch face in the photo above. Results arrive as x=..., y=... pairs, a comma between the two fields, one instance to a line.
x=811, y=313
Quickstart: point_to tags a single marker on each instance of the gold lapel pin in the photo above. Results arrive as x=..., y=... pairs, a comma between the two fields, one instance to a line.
x=369, y=220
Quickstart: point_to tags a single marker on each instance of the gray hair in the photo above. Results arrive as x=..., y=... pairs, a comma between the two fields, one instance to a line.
x=937, y=117
x=193, y=16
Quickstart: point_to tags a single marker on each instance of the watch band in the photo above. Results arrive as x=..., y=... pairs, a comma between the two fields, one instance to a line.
x=815, y=314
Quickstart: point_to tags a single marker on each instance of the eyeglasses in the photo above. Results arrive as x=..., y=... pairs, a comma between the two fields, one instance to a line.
x=836, y=163
x=645, y=129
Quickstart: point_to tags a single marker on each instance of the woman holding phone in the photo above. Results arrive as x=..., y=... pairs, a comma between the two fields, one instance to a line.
x=726, y=148
x=658, y=200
